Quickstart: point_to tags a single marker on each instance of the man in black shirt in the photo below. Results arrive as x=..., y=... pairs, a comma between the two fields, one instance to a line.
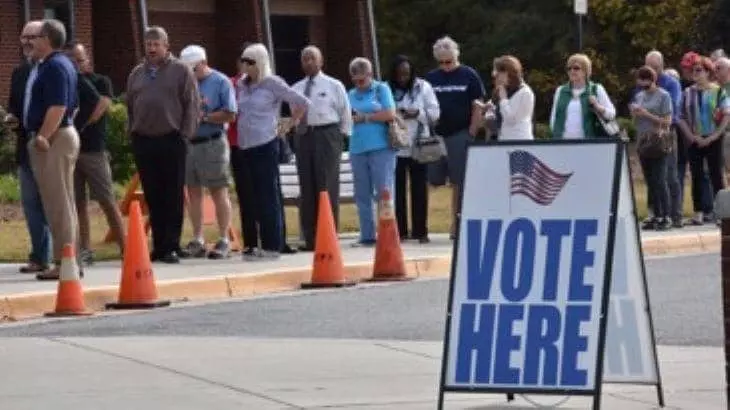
x=93, y=168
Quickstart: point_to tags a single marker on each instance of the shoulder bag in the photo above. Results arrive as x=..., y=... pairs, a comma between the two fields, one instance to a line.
x=397, y=128
x=655, y=143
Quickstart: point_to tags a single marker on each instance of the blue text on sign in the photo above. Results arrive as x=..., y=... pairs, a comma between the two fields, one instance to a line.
x=551, y=341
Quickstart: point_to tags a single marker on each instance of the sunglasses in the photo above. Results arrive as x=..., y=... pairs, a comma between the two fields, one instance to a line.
x=573, y=68
x=248, y=61
x=698, y=70
x=446, y=62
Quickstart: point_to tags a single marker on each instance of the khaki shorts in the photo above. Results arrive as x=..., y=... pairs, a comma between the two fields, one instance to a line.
x=207, y=164
x=93, y=169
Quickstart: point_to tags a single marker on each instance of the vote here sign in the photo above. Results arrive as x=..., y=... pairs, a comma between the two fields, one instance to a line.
x=529, y=277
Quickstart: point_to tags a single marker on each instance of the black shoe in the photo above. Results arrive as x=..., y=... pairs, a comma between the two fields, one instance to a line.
x=663, y=225
x=170, y=258
x=649, y=224
x=154, y=256
x=677, y=223
x=306, y=248
x=424, y=240
x=288, y=250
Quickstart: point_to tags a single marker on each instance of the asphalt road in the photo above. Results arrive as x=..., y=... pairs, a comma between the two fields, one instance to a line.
x=685, y=296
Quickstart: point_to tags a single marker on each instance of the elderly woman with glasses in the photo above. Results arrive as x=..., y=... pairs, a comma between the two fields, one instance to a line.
x=256, y=161
x=372, y=157
x=578, y=103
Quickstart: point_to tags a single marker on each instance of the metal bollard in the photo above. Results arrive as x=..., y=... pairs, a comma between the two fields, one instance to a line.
x=722, y=211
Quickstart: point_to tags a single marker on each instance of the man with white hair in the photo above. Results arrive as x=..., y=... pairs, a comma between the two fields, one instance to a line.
x=163, y=106
x=457, y=86
x=208, y=155
x=655, y=60
x=319, y=139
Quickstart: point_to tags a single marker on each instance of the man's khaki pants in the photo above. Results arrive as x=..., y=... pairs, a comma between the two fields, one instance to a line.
x=54, y=171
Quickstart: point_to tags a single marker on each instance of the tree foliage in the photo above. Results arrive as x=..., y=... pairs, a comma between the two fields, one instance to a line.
x=542, y=34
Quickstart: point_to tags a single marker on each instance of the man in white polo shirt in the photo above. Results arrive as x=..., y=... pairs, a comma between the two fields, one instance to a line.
x=319, y=140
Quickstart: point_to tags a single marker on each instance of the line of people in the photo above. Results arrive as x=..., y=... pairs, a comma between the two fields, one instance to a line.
x=189, y=125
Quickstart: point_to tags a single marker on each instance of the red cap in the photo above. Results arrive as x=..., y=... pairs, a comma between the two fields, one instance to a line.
x=690, y=59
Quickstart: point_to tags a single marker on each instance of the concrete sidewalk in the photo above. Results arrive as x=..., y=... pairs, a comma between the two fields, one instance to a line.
x=264, y=374
x=21, y=296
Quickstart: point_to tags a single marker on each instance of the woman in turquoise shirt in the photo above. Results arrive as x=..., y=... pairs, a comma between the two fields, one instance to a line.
x=373, y=160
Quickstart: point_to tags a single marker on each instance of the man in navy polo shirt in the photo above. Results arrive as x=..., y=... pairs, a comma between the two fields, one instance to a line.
x=54, y=144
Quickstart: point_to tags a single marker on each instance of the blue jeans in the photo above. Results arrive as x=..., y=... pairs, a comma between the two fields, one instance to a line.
x=372, y=171
x=35, y=217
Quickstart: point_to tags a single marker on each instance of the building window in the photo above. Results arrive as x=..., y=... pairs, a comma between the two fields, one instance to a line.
x=61, y=11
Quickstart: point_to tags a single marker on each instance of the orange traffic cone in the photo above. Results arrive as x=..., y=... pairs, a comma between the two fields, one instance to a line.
x=137, y=289
x=70, y=297
x=328, y=270
x=389, y=264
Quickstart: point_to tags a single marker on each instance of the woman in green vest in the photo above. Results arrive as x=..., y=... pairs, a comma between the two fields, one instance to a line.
x=576, y=103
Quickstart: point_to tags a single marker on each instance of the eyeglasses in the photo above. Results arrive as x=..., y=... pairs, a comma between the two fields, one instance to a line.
x=698, y=70
x=573, y=68
x=248, y=61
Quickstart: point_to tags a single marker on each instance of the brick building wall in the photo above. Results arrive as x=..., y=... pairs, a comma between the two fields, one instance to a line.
x=116, y=39
x=11, y=17
x=348, y=35
x=112, y=32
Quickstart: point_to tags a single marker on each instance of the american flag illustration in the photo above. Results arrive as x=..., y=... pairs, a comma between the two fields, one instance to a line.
x=532, y=178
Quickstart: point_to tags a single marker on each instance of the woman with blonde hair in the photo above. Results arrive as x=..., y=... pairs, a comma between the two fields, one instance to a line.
x=256, y=161
x=577, y=104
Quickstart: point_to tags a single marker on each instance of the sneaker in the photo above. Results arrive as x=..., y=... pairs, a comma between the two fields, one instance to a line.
x=86, y=257
x=677, y=223
x=368, y=243
x=195, y=249
x=220, y=250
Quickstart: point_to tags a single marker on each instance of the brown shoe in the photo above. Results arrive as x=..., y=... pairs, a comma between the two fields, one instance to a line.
x=33, y=267
x=52, y=274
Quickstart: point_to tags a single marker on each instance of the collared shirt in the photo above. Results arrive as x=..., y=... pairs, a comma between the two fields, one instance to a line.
x=330, y=104
x=28, y=89
x=216, y=94
x=55, y=85
x=258, y=109
x=163, y=99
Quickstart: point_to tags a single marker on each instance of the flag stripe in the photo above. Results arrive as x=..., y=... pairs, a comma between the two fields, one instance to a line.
x=532, y=178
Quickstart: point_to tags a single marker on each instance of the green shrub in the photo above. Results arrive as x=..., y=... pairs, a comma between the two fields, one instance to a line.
x=9, y=188
x=7, y=149
x=122, y=160
x=628, y=125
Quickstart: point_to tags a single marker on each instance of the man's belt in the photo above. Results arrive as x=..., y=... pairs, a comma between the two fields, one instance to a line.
x=200, y=140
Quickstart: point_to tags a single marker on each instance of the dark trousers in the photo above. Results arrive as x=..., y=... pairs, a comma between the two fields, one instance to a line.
x=256, y=172
x=710, y=156
x=161, y=166
x=682, y=164
x=416, y=174
x=318, y=154
x=655, y=174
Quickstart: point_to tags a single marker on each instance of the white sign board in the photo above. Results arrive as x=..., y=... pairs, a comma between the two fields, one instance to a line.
x=630, y=354
x=580, y=6
x=529, y=277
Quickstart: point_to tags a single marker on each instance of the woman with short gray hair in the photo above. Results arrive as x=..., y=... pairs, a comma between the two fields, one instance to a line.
x=372, y=157
x=457, y=87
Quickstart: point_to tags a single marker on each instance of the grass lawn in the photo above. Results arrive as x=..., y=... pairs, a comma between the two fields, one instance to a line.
x=14, y=241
